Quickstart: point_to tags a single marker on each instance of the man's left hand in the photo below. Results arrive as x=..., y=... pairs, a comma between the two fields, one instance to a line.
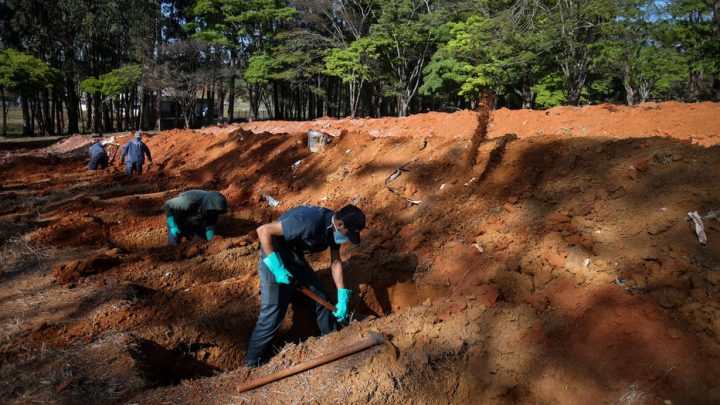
x=343, y=298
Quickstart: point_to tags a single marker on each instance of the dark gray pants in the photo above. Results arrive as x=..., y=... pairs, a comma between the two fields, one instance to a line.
x=274, y=303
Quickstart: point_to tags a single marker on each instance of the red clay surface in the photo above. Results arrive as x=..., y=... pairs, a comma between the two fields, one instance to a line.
x=549, y=260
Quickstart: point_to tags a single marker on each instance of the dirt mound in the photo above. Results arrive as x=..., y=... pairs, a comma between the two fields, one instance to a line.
x=458, y=125
x=698, y=123
x=73, y=230
x=72, y=271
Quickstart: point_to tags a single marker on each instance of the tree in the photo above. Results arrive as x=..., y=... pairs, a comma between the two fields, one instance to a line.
x=114, y=86
x=403, y=32
x=26, y=76
x=691, y=27
x=244, y=27
x=352, y=66
x=185, y=73
x=503, y=51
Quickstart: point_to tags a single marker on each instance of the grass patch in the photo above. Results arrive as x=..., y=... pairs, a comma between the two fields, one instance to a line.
x=19, y=254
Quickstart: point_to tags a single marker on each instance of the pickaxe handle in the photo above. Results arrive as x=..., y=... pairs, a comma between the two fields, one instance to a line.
x=316, y=297
x=115, y=153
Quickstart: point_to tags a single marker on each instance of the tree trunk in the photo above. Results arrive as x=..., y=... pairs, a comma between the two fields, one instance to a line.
x=88, y=121
x=4, y=111
x=98, y=112
x=61, y=116
x=254, y=101
x=118, y=114
x=402, y=105
x=46, y=115
x=31, y=106
x=186, y=115
x=81, y=118
x=55, y=121
x=276, y=102
x=27, y=122
x=231, y=88
x=157, y=111
x=221, y=102
x=141, y=108
x=211, y=105
x=126, y=118
x=33, y=117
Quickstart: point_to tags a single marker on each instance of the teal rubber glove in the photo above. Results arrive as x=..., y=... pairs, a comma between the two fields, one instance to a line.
x=209, y=232
x=174, y=230
x=343, y=298
x=277, y=268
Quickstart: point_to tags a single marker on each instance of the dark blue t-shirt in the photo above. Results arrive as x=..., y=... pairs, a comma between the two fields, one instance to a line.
x=306, y=229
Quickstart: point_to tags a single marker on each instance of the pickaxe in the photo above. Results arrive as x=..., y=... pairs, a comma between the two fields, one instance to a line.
x=315, y=297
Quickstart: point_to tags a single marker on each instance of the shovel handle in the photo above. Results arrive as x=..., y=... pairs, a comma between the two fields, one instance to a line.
x=316, y=297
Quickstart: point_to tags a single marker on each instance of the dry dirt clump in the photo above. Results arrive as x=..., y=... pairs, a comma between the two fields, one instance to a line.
x=72, y=271
x=538, y=265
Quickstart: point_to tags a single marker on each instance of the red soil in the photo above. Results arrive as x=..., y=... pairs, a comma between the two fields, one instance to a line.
x=555, y=264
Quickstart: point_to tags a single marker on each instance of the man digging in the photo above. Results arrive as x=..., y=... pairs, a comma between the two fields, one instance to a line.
x=283, y=245
x=193, y=214
x=98, y=157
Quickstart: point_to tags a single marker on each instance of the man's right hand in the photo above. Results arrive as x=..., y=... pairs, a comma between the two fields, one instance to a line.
x=276, y=267
x=174, y=230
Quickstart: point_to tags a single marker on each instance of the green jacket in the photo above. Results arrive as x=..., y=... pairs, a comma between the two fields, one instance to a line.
x=196, y=208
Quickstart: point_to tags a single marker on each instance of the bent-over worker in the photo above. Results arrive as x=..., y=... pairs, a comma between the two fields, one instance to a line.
x=193, y=214
x=98, y=157
x=283, y=245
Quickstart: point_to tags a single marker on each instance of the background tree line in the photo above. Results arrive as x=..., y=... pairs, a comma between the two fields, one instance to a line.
x=301, y=59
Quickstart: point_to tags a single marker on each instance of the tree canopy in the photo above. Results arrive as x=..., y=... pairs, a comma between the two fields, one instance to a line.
x=302, y=59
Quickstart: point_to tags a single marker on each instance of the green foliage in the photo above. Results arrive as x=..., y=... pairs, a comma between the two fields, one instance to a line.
x=114, y=83
x=26, y=75
x=353, y=63
x=92, y=85
x=238, y=23
x=549, y=91
x=260, y=69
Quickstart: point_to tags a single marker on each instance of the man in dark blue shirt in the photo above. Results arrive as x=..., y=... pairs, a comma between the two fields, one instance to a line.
x=283, y=245
x=135, y=150
x=98, y=156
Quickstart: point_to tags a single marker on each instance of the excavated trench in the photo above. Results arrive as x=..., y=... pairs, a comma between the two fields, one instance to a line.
x=159, y=366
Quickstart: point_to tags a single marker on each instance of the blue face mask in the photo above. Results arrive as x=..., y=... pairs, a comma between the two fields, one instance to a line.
x=340, y=238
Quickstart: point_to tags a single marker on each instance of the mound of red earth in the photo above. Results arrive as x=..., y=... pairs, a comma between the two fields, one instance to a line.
x=549, y=259
x=72, y=271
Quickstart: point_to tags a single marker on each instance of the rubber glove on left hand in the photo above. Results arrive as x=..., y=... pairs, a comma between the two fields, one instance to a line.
x=343, y=298
x=209, y=232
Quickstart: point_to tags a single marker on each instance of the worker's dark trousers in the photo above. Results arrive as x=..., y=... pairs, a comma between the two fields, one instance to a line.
x=274, y=303
x=133, y=167
x=98, y=161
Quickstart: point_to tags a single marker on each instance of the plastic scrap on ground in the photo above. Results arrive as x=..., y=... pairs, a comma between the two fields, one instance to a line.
x=699, y=228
